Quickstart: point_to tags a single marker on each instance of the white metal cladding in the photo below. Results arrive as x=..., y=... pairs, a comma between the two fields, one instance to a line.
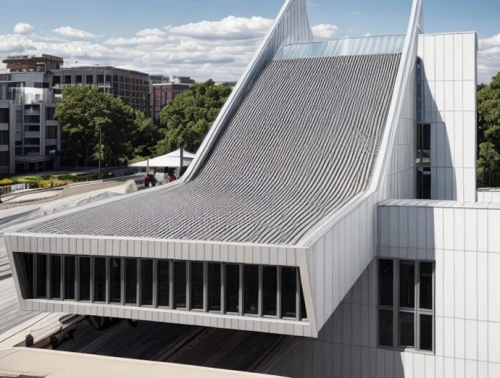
x=294, y=152
x=342, y=47
x=342, y=246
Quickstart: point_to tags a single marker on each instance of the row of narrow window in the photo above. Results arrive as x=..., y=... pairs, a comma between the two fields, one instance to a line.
x=216, y=287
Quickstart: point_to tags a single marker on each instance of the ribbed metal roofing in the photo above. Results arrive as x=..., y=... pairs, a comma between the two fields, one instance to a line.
x=301, y=145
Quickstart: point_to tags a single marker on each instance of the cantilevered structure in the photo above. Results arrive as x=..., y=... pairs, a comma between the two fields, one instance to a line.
x=290, y=218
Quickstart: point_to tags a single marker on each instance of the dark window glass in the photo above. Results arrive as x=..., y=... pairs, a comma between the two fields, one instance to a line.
x=419, y=144
x=84, y=278
x=407, y=284
x=406, y=329
x=28, y=271
x=426, y=332
x=69, y=277
x=289, y=292
x=251, y=289
x=270, y=288
x=197, y=285
x=303, y=310
x=55, y=277
x=214, y=285
x=147, y=282
x=100, y=279
x=385, y=282
x=426, y=143
x=232, y=288
x=163, y=283
x=180, y=284
x=41, y=276
x=385, y=327
x=115, y=281
x=131, y=281
x=426, y=285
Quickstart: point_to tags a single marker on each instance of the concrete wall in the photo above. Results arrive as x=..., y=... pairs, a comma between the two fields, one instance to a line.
x=465, y=244
x=450, y=106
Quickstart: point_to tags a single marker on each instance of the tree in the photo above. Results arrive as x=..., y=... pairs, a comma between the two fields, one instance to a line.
x=488, y=130
x=82, y=112
x=146, y=136
x=187, y=119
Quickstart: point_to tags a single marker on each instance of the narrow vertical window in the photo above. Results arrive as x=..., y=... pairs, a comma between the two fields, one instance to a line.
x=164, y=283
x=385, y=282
x=426, y=270
x=385, y=327
x=55, y=277
x=407, y=284
x=214, y=286
x=26, y=266
x=115, y=280
x=147, y=282
x=180, y=284
x=270, y=290
x=426, y=332
x=196, y=285
x=303, y=310
x=232, y=288
x=131, y=281
x=251, y=289
x=69, y=277
x=289, y=292
x=100, y=279
x=84, y=263
x=406, y=329
x=41, y=276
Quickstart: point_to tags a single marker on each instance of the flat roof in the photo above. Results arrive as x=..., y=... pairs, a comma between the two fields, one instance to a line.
x=102, y=68
x=41, y=363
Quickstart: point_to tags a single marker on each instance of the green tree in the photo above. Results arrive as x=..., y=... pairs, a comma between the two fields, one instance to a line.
x=145, y=138
x=187, y=119
x=83, y=112
x=488, y=131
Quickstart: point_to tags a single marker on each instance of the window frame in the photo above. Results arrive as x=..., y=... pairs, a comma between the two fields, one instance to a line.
x=416, y=311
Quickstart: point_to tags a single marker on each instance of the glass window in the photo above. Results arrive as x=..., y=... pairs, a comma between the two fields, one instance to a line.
x=164, y=283
x=251, y=289
x=426, y=333
x=214, y=286
x=385, y=282
x=100, y=279
x=407, y=284
x=270, y=290
x=115, y=281
x=41, y=276
x=289, y=292
x=180, y=284
x=197, y=285
x=55, y=277
x=232, y=288
x=385, y=327
x=406, y=329
x=147, y=282
x=84, y=263
x=27, y=259
x=69, y=277
x=426, y=285
x=303, y=310
x=131, y=281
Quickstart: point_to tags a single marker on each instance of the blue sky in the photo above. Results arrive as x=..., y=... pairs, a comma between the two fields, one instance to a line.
x=110, y=24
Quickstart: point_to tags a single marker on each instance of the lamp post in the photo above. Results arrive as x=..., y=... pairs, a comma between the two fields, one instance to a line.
x=100, y=151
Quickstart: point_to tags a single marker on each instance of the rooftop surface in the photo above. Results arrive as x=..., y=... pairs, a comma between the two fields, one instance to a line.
x=301, y=145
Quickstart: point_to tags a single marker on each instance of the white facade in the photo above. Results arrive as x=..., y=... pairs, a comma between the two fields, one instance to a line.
x=339, y=258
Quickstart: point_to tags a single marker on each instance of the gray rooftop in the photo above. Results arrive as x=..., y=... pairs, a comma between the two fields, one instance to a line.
x=301, y=145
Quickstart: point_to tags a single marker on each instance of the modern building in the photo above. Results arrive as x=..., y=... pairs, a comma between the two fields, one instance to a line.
x=163, y=94
x=31, y=63
x=30, y=137
x=362, y=239
x=131, y=86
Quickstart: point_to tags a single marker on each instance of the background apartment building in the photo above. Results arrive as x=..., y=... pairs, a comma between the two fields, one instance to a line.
x=30, y=137
x=163, y=94
x=131, y=86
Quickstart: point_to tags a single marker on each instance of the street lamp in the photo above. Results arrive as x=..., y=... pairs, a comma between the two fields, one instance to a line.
x=100, y=151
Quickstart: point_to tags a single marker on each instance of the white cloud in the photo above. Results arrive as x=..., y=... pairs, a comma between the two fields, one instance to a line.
x=72, y=33
x=147, y=40
x=229, y=28
x=151, y=32
x=324, y=31
x=488, y=58
x=23, y=28
x=368, y=35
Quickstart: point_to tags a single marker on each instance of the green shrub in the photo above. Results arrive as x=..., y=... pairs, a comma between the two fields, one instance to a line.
x=6, y=181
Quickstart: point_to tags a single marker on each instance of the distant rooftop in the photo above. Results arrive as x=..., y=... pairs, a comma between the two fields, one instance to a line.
x=100, y=68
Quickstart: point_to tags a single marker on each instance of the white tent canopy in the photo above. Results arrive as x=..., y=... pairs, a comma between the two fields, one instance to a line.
x=171, y=159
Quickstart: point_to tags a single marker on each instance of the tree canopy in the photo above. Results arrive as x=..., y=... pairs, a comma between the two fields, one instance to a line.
x=83, y=111
x=187, y=119
x=489, y=131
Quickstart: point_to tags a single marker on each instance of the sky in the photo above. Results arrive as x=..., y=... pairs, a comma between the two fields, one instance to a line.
x=217, y=38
